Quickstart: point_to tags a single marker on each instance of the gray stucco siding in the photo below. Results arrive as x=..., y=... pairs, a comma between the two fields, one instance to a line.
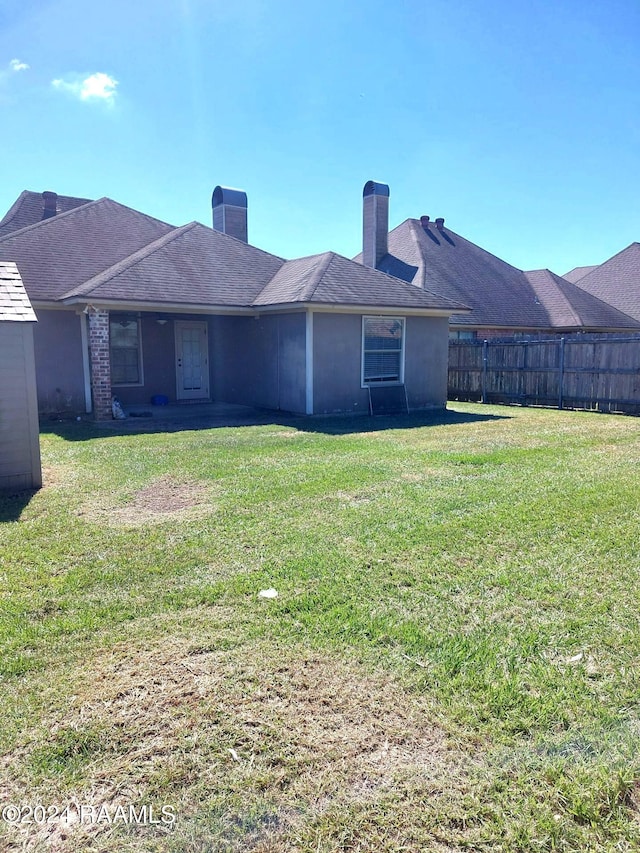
x=337, y=365
x=426, y=360
x=58, y=355
x=259, y=361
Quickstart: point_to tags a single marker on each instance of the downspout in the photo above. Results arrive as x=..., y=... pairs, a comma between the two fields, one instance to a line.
x=309, y=362
x=86, y=371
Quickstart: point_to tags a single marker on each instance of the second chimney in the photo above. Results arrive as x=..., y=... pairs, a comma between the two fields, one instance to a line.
x=50, y=204
x=230, y=212
x=375, y=223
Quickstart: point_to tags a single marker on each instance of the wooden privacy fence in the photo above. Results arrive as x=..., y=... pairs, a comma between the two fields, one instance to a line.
x=600, y=373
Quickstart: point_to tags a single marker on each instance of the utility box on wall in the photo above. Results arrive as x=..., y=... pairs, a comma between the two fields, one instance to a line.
x=20, y=466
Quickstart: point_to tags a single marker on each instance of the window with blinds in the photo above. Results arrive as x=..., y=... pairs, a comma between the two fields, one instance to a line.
x=126, y=362
x=382, y=350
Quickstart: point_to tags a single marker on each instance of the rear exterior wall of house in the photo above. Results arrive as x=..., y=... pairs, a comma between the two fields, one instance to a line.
x=58, y=354
x=259, y=361
x=337, y=366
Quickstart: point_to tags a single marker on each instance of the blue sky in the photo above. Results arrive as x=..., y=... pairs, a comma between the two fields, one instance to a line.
x=518, y=122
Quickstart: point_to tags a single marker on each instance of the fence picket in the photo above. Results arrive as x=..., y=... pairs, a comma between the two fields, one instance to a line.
x=585, y=372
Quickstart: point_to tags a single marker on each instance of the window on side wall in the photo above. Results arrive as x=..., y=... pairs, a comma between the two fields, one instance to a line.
x=382, y=350
x=126, y=352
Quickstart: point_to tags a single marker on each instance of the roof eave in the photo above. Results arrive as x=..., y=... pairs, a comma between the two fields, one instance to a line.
x=151, y=307
x=342, y=308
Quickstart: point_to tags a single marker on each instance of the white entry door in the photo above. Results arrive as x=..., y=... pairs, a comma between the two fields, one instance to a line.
x=192, y=360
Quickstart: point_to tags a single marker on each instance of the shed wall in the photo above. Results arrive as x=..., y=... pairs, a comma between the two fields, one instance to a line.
x=19, y=430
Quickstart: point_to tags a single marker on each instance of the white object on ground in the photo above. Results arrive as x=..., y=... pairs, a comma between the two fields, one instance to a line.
x=268, y=593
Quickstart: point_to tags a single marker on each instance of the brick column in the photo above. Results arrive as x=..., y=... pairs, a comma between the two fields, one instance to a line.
x=100, y=363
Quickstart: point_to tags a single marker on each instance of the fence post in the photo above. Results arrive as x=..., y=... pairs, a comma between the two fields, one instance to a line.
x=485, y=367
x=561, y=378
x=523, y=372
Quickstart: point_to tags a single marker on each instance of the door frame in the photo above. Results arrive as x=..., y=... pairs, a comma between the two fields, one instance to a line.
x=203, y=393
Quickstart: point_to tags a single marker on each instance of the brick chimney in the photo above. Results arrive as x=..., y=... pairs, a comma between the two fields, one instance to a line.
x=230, y=212
x=50, y=204
x=375, y=223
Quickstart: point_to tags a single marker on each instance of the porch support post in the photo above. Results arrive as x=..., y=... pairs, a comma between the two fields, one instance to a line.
x=100, y=363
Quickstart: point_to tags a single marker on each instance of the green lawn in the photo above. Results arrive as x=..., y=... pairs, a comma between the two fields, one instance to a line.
x=452, y=661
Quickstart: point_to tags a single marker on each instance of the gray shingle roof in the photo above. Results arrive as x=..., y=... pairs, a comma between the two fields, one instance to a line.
x=60, y=253
x=568, y=306
x=14, y=302
x=193, y=265
x=500, y=295
x=330, y=279
x=104, y=251
x=577, y=273
x=617, y=281
x=28, y=209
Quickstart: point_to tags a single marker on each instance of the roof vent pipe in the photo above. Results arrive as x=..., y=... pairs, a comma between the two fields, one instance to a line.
x=50, y=204
x=440, y=223
x=230, y=212
x=375, y=223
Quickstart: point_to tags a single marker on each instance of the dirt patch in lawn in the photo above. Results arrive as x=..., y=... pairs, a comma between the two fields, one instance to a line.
x=261, y=743
x=154, y=503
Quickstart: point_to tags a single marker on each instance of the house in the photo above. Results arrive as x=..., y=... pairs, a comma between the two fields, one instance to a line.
x=616, y=281
x=133, y=306
x=19, y=433
x=504, y=300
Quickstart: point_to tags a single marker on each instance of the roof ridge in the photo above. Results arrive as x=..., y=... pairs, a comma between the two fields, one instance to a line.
x=130, y=261
x=574, y=311
x=567, y=302
x=604, y=263
x=55, y=218
x=407, y=286
x=422, y=267
x=74, y=210
x=309, y=291
x=283, y=265
x=602, y=302
x=13, y=210
x=239, y=240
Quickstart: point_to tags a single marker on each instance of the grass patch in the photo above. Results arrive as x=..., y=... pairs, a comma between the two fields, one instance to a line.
x=451, y=661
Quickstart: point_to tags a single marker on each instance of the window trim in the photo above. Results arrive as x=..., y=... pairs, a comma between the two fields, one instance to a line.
x=364, y=383
x=118, y=318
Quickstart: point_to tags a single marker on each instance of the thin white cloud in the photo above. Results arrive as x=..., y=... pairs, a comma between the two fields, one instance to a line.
x=6, y=73
x=18, y=65
x=94, y=87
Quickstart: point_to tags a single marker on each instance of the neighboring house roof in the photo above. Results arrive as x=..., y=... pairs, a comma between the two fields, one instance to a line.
x=577, y=273
x=569, y=306
x=63, y=252
x=331, y=279
x=14, y=302
x=29, y=208
x=500, y=295
x=617, y=281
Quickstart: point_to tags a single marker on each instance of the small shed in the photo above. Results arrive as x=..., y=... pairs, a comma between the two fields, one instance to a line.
x=20, y=466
